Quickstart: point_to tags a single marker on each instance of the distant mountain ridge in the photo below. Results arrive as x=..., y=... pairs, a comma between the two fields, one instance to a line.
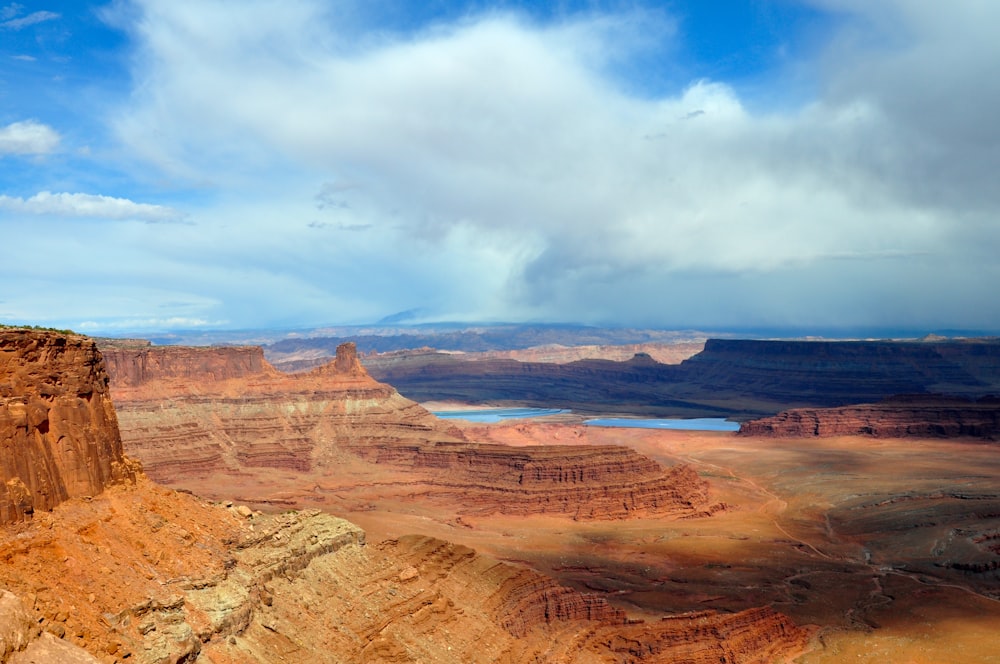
x=736, y=378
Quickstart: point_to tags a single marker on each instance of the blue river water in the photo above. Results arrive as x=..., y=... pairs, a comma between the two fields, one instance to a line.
x=493, y=415
x=694, y=424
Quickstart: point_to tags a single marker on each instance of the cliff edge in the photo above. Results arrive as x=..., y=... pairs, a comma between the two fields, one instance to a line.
x=59, y=434
x=904, y=416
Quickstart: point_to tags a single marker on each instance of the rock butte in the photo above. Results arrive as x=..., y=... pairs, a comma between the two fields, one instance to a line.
x=139, y=573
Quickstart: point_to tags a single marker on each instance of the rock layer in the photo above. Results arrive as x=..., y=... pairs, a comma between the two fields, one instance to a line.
x=598, y=482
x=190, y=423
x=59, y=435
x=924, y=416
x=197, y=411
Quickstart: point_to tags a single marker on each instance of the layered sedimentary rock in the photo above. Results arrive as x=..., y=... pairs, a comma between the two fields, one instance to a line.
x=196, y=411
x=59, y=435
x=924, y=416
x=585, y=482
x=225, y=412
x=728, y=378
x=148, y=575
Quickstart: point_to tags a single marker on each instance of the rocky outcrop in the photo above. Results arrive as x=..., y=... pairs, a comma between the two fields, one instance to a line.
x=59, y=435
x=584, y=482
x=920, y=416
x=199, y=582
x=190, y=423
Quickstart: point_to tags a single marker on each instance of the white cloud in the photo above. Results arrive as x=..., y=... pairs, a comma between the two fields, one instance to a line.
x=88, y=205
x=31, y=19
x=28, y=137
x=171, y=323
x=513, y=143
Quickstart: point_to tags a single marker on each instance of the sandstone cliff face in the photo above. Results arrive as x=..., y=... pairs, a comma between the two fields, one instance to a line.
x=58, y=431
x=134, y=367
x=227, y=410
x=922, y=416
x=584, y=482
x=189, y=424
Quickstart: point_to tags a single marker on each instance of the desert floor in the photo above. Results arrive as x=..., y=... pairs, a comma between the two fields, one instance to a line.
x=884, y=545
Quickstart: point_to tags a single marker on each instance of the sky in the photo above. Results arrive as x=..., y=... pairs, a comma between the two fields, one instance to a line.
x=685, y=164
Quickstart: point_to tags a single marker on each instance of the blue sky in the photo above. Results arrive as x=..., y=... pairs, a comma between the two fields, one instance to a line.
x=810, y=164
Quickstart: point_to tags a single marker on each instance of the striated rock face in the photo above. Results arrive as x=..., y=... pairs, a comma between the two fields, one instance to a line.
x=137, y=366
x=58, y=431
x=189, y=424
x=148, y=575
x=923, y=416
x=594, y=482
x=227, y=409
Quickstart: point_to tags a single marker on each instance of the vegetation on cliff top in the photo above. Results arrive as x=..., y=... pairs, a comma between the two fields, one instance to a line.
x=4, y=326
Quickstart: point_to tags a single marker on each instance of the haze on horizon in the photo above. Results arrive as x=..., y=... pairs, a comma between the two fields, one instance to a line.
x=220, y=164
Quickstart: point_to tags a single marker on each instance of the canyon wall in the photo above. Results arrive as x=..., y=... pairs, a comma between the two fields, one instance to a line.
x=59, y=435
x=195, y=411
x=225, y=413
x=837, y=373
x=924, y=416
x=728, y=378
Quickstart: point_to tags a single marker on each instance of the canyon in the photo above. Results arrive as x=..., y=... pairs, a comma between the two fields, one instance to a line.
x=150, y=574
x=322, y=516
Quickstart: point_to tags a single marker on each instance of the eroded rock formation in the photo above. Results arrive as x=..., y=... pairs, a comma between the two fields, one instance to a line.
x=584, y=482
x=209, y=414
x=58, y=431
x=149, y=575
x=925, y=416
x=196, y=411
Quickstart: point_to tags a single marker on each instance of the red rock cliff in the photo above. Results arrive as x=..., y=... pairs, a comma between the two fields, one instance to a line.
x=226, y=409
x=58, y=431
x=926, y=416
x=134, y=367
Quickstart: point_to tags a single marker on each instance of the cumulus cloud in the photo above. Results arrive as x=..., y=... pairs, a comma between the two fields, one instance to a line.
x=515, y=143
x=88, y=205
x=28, y=137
